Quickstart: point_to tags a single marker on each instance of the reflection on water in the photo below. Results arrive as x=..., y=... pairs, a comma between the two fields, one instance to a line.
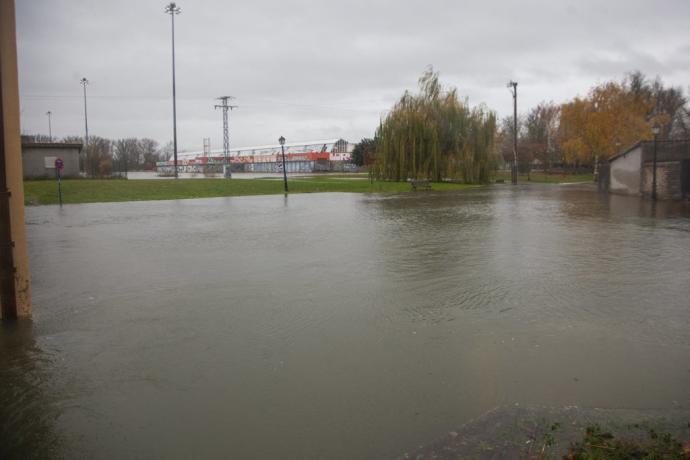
x=137, y=175
x=343, y=325
x=27, y=404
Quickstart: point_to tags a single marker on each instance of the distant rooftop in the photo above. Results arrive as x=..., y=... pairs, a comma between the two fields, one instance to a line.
x=53, y=145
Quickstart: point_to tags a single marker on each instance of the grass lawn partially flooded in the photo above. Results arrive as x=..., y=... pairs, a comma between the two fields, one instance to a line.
x=98, y=191
x=37, y=192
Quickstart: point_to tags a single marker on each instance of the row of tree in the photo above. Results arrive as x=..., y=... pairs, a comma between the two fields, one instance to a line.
x=584, y=130
x=102, y=157
x=434, y=135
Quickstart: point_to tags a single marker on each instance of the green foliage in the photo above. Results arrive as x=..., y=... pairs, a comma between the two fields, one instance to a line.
x=364, y=152
x=432, y=135
x=599, y=444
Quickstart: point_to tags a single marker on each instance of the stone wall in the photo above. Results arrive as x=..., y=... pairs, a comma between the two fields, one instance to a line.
x=668, y=186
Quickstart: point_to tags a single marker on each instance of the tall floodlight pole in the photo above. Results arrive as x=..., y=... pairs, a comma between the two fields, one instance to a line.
x=514, y=175
x=172, y=9
x=655, y=131
x=50, y=128
x=84, y=82
x=226, y=135
x=282, y=149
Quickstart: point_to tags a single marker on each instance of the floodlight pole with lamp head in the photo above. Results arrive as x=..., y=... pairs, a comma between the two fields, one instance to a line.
x=172, y=9
x=84, y=82
x=50, y=128
x=282, y=149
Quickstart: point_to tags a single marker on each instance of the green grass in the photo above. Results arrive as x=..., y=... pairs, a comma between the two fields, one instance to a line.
x=98, y=191
x=541, y=178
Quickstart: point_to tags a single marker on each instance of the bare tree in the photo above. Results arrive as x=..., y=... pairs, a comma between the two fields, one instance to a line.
x=98, y=161
x=127, y=154
x=150, y=153
x=541, y=127
x=670, y=103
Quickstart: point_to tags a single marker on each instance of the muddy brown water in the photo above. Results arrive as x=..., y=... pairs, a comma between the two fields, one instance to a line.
x=339, y=325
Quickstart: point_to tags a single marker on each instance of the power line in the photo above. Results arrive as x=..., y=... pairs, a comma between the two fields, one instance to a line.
x=256, y=103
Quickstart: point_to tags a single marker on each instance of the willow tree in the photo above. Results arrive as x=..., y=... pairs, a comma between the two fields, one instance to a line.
x=433, y=135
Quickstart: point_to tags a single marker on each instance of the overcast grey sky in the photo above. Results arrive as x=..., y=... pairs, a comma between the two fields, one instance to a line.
x=315, y=69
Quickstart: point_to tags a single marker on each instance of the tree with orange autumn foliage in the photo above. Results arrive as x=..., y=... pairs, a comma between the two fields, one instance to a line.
x=611, y=116
x=615, y=115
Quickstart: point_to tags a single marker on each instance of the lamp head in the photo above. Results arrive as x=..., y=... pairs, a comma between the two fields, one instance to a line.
x=281, y=140
x=656, y=129
x=172, y=8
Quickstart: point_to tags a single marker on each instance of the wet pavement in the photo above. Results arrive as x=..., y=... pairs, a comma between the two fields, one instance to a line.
x=339, y=325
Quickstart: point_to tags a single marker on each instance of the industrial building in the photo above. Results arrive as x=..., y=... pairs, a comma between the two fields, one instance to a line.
x=631, y=172
x=300, y=157
x=38, y=159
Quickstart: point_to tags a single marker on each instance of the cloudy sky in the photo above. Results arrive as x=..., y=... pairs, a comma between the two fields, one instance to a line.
x=316, y=69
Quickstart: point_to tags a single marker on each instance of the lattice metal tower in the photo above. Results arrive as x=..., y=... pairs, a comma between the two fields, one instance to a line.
x=226, y=135
x=207, y=147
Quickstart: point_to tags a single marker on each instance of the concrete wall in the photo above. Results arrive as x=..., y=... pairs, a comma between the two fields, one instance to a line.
x=624, y=173
x=34, y=159
x=632, y=173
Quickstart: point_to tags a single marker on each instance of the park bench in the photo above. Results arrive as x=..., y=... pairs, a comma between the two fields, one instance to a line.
x=420, y=184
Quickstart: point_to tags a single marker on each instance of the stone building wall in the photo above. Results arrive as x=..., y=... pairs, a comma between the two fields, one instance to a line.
x=38, y=159
x=668, y=186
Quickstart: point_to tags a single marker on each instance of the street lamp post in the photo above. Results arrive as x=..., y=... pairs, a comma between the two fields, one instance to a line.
x=282, y=149
x=513, y=89
x=172, y=9
x=655, y=131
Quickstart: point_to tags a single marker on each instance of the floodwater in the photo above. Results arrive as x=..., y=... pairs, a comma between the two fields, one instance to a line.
x=339, y=325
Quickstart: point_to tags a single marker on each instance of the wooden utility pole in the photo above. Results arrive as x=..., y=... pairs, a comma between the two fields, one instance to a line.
x=15, y=292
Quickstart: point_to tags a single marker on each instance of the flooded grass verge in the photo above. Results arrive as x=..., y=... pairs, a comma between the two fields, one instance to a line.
x=101, y=191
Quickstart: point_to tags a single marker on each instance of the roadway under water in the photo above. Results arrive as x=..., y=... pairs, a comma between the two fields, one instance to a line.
x=338, y=325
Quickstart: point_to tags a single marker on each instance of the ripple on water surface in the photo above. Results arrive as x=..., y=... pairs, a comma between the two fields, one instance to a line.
x=341, y=325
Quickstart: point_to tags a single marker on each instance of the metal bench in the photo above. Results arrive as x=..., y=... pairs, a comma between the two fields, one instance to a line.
x=420, y=184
